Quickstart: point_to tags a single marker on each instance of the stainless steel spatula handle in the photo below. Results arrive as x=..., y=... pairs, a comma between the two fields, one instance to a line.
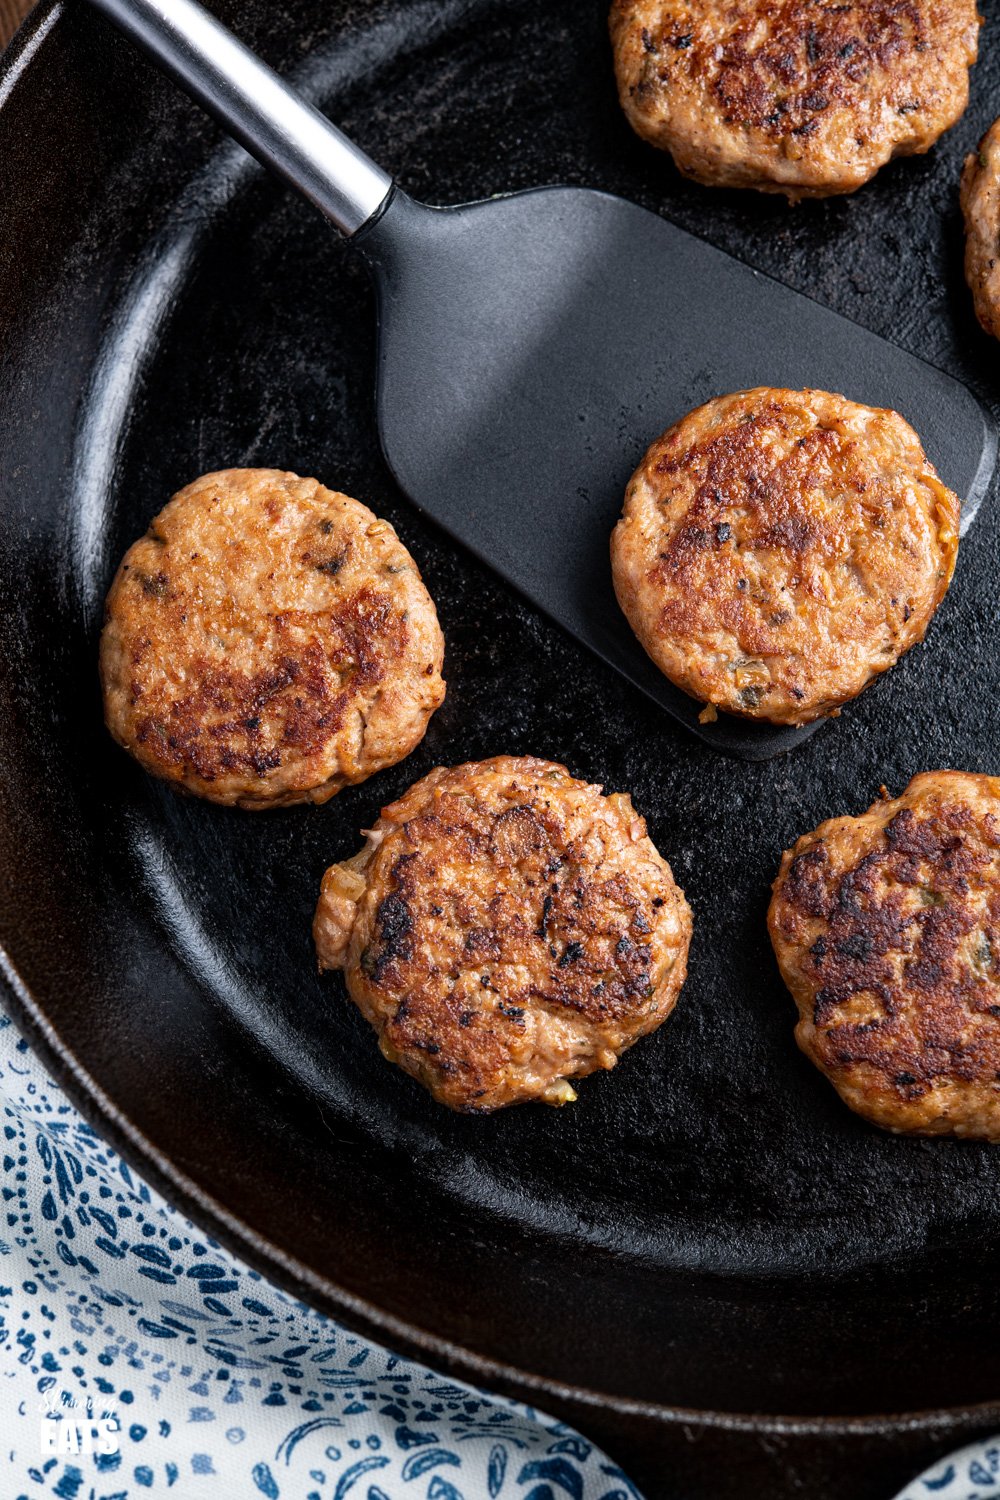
x=256, y=106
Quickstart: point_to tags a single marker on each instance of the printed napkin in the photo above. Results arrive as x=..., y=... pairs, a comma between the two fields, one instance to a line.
x=141, y=1359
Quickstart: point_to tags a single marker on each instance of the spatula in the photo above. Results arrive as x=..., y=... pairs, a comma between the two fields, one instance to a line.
x=532, y=346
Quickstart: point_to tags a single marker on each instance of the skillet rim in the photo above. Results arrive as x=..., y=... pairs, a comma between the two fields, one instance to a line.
x=364, y=1317
x=293, y=1276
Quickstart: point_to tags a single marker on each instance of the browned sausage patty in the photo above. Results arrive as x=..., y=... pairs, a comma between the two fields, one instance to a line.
x=981, y=207
x=802, y=97
x=887, y=932
x=778, y=549
x=268, y=641
x=504, y=929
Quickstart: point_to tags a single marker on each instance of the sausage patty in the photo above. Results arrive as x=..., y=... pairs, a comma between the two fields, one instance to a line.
x=268, y=641
x=802, y=97
x=981, y=207
x=887, y=932
x=778, y=549
x=504, y=929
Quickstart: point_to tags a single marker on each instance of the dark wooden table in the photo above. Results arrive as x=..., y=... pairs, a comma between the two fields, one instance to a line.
x=12, y=12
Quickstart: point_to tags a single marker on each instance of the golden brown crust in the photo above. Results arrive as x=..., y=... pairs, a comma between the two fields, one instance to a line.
x=802, y=97
x=980, y=197
x=268, y=641
x=506, y=928
x=887, y=932
x=779, y=549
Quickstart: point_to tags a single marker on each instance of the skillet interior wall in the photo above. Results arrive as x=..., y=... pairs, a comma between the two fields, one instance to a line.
x=733, y=1208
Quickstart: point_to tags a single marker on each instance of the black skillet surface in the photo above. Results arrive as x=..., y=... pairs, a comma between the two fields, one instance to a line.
x=707, y=1232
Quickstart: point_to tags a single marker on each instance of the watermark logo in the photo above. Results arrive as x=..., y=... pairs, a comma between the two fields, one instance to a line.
x=70, y=1429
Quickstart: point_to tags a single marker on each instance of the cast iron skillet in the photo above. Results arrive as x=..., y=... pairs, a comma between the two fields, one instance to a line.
x=707, y=1262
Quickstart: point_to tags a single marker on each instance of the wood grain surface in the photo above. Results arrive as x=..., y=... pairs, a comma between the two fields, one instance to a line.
x=12, y=13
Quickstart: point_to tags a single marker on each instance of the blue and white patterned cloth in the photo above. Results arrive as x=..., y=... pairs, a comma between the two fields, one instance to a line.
x=142, y=1359
x=972, y=1474
x=139, y=1358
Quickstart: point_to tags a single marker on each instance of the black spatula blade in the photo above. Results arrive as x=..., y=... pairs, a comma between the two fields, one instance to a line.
x=532, y=346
